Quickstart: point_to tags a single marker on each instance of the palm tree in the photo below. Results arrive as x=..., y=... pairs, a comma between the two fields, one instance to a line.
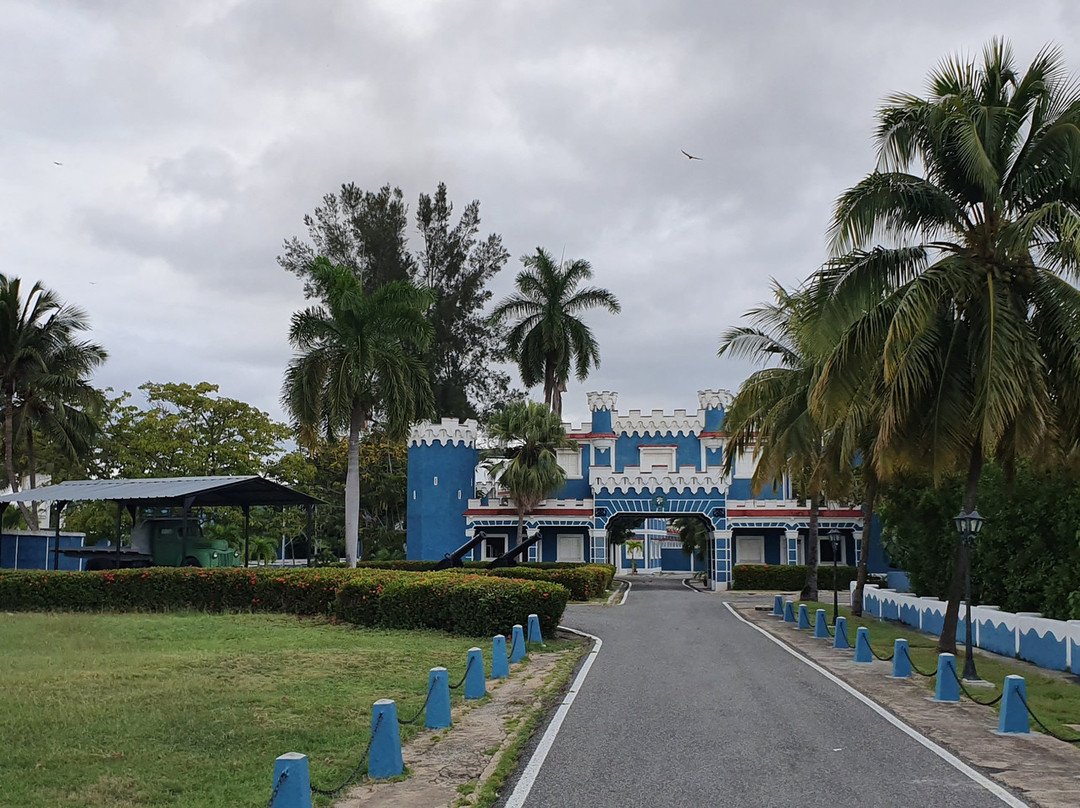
x=548, y=337
x=358, y=357
x=771, y=413
x=976, y=203
x=43, y=379
x=529, y=434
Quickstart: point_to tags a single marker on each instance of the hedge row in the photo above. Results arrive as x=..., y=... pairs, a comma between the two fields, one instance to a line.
x=791, y=577
x=584, y=581
x=452, y=601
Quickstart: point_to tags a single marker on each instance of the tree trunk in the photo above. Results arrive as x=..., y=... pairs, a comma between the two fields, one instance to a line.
x=352, y=487
x=868, y=522
x=947, y=641
x=810, y=590
x=521, y=526
x=9, y=457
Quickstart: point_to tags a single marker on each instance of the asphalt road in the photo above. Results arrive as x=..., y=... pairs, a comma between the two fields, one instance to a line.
x=688, y=706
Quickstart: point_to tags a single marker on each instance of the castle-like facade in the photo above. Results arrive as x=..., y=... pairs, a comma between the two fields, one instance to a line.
x=652, y=466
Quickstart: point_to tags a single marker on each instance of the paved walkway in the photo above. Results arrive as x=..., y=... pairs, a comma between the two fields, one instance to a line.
x=688, y=706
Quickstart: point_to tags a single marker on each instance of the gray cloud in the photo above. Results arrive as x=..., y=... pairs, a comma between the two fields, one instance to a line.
x=194, y=137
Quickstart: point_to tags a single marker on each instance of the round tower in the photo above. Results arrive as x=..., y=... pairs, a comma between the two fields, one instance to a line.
x=442, y=479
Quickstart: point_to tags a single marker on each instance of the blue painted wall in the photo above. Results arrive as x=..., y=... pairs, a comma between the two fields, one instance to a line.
x=687, y=449
x=436, y=511
x=579, y=488
x=36, y=552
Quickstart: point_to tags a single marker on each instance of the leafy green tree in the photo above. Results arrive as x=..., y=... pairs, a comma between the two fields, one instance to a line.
x=771, y=413
x=965, y=238
x=368, y=233
x=528, y=434
x=633, y=547
x=44, y=371
x=547, y=337
x=357, y=359
x=694, y=536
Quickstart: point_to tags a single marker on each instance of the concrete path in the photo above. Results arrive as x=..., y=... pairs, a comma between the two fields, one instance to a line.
x=688, y=706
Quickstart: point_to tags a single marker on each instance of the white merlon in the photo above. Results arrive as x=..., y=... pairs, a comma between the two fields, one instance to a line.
x=447, y=431
x=604, y=400
x=713, y=399
x=659, y=423
x=633, y=478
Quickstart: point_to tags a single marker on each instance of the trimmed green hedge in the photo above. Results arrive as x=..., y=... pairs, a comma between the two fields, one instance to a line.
x=791, y=577
x=453, y=601
x=584, y=583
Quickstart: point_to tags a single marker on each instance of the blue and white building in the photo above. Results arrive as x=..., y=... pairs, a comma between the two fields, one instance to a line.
x=656, y=466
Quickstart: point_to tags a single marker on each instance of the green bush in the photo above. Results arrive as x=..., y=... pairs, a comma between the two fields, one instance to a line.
x=792, y=577
x=584, y=582
x=458, y=602
x=465, y=603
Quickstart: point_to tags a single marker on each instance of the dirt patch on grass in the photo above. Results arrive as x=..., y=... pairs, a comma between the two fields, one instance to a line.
x=446, y=765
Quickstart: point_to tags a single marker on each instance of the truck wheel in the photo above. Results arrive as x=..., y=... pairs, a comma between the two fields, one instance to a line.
x=191, y=562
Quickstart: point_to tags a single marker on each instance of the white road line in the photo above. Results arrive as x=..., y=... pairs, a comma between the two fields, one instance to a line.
x=528, y=777
x=686, y=583
x=625, y=595
x=948, y=757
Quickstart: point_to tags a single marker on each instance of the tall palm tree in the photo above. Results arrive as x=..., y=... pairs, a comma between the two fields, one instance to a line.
x=548, y=337
x=44, y=372
x=358, y=358
x=976, y=205
x=771, y=413
x=528, y=434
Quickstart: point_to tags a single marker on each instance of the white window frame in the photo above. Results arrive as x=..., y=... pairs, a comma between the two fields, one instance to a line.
x=740, y=540
x=823, y=541
x=570, y=461
x=665, y=454
x=579, y=544
x=485, y=548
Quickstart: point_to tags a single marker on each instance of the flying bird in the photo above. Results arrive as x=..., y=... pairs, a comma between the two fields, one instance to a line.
x=689, y=156
x=56, y=163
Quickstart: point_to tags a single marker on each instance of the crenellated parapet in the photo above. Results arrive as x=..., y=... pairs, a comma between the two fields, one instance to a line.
x=447, y=432
x=659, y=423
x=636, y=480
x=713, y=399
x=605, y=400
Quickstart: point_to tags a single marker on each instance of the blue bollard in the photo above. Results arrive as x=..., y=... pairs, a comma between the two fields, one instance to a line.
x=840, y=639
x=437, y=714
x=500, y=668
x=534, y=630
x=292, y=783
x=384, y=759
x=862, y=646
x=821, y=625
x=947, y=687
x=1013, y=718
x=778, y=606
x=517, y=644
x=901, y=660
x=789, y=611
x=475, y=688
x=804, y=616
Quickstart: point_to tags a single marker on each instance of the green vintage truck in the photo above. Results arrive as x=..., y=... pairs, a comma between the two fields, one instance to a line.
x=161, y=542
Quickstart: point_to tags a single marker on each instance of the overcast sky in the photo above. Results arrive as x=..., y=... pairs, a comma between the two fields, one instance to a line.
x=195, y=135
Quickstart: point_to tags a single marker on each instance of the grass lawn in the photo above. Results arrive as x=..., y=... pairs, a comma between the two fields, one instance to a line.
x=191, y=709
x=1053, y=696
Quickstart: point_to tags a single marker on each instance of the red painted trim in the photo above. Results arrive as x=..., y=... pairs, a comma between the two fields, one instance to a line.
x=590, y=435
x=849, y=514
x=537, y=512
x=658, y=446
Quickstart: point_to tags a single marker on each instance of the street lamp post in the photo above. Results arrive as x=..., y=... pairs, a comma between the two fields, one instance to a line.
x=968, y=526
x=835, y=537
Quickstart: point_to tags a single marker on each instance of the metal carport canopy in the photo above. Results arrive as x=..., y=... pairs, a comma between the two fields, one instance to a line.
x=159, y=492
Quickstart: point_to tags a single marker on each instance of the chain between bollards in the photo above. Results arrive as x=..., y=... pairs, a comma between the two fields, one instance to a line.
x=1045, y=729
x=427, y=698
x=333, y=792
x=967, y=693
x=878, y=656
x=912, y=664
x=468, y=667
x=277, y=788
x=513, y=645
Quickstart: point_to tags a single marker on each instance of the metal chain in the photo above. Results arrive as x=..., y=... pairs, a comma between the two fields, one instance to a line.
x=967, y=693
x=831, y=632
x=333, y=792
x=468, y=667
x=420, y=712
x=912, y=664
x=1045, y=729
x=878, y=656
x=277, y=787
x=513, y=644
